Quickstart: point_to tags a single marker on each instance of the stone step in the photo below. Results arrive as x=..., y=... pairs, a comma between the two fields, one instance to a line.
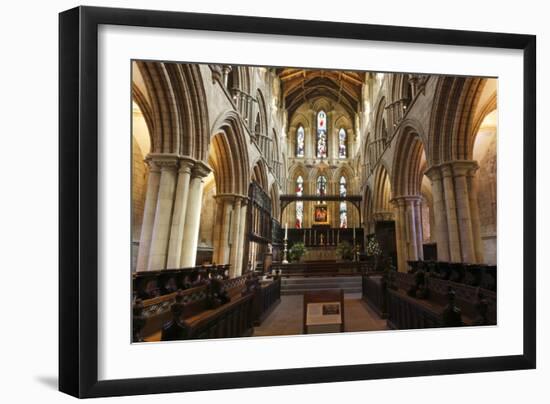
x=350, y=284
x=317, y=284
x=310, y=280
x=302, y=291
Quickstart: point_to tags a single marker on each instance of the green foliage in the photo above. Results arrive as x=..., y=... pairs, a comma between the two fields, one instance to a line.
x=344, y=250
x=373, y=248
x=297, y=251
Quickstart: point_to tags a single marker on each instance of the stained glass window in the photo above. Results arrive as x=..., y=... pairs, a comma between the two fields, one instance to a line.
x=300, y=142
x=321, y=185
x=299, y=204
x=343, y=205
x=342, y=151
x=322, y=140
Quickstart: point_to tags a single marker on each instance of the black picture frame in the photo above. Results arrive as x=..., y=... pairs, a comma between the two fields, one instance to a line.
x=78, y=201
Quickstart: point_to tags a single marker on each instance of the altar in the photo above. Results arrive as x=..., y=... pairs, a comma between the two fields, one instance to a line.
x=320, y=253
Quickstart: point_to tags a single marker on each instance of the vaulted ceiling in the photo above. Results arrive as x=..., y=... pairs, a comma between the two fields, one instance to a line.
x=303, y=85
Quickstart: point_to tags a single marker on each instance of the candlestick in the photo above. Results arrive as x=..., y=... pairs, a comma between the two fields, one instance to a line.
x=286, y=231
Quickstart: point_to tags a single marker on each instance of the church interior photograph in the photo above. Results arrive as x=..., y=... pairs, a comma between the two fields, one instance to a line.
x=271, y=201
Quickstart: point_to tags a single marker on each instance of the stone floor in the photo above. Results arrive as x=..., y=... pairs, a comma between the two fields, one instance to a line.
x=287, y=317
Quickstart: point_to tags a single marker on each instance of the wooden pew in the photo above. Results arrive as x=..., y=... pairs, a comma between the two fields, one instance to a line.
x=477, y=275
x=374, y=294
x=406, y=304
x=151, y=284
x=248, y=303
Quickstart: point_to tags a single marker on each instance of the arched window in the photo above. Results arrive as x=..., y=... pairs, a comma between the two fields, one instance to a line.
x=321, y=185
x=343, y=205
x=342, y=148
x=322, y=140
x=299, y=204
x=300, y=142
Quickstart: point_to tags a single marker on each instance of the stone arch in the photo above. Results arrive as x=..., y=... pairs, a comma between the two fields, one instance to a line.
x=229, y=156
x=368, y=211
x=348, y=172
x=261, y=124
x=452, y=118
x=380, y=126
x=259, y=174
x=298, y=120
x=141, y=100
x=239, y=79
x=407, y=174
x=275, y=202
x=178, y=111
x=382, y=193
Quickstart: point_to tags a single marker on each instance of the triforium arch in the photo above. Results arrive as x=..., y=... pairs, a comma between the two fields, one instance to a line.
x=408, y=171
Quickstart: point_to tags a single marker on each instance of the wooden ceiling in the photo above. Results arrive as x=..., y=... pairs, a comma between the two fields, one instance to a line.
x=303, y=85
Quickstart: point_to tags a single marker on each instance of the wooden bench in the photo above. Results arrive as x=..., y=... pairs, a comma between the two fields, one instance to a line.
x=396, y=297
x=196, y=318
x=151, y=284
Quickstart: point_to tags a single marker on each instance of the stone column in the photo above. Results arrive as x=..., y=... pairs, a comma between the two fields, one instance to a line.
x=412, y=230
x=474, y=213
x=193, y=215
x=178, y=216
x=235, y=233
x=241, y=238
x=439, y=213
x=460, y=171
x=225, y=207
x=163, y=212
x=217, y=230
x=452, y=221
x=148, y=216
x=419, y=229
x=400, y=234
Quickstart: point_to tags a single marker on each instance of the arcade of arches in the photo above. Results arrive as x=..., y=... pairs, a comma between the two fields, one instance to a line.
x=231, y=161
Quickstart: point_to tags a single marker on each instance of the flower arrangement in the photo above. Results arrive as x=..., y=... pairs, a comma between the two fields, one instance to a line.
x=373, y=248
x=344, y=251
x=297, y=251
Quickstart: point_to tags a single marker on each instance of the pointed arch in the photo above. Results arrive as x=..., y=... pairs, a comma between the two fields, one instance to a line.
x=407, y=171
x=452, y=118
x=261, y=116
x=382, y=193
x=259, y=174
x=228, y=155
x=178, y=114
x=275, y=202
x=380, y=129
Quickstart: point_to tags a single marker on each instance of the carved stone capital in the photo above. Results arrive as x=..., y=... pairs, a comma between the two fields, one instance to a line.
x=433, y=173
x=164, y=161
x=200, y=170
x=461, y=168
x=186, y=165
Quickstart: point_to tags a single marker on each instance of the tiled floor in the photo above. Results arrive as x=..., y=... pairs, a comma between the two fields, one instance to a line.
x=287, y=317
